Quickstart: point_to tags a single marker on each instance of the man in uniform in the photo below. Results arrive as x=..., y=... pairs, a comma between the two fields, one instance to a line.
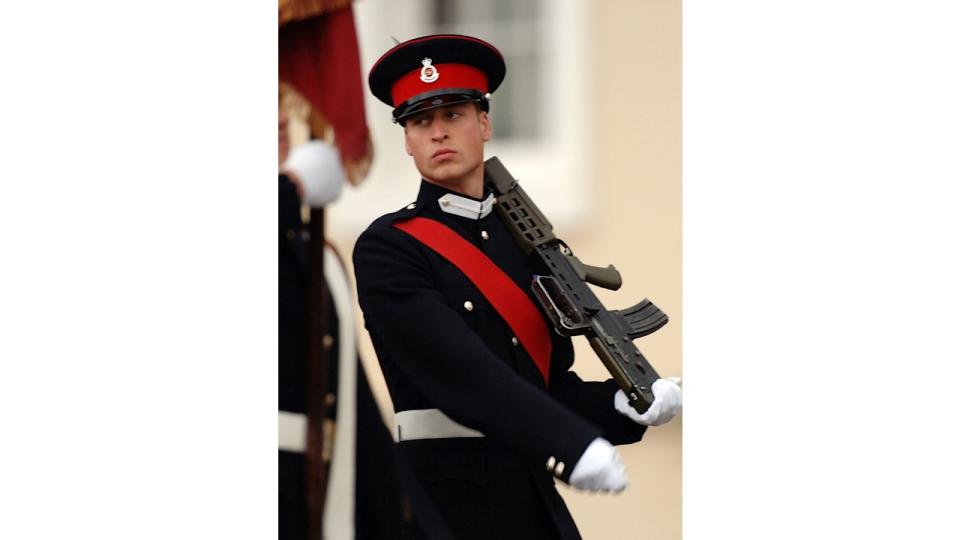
x=487, y=428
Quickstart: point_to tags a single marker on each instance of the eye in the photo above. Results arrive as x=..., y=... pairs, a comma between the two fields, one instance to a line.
x=453, y=115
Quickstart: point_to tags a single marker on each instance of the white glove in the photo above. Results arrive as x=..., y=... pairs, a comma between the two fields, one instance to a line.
x=667, y=402
x=317, y=167
x=599, y=469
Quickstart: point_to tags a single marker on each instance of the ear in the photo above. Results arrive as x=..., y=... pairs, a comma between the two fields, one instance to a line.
x=485, y=127
x=406, y=143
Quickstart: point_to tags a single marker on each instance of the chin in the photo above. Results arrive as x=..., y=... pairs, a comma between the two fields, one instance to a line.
x=448, y=173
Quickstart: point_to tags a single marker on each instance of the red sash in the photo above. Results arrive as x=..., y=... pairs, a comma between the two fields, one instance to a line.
x=496, y=286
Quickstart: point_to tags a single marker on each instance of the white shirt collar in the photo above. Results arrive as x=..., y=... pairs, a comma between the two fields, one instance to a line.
x=464, y=207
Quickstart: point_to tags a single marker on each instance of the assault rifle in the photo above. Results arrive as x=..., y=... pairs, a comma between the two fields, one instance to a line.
x=563, y=293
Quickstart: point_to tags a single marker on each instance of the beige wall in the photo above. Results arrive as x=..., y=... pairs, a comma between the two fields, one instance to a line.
x=636, y=156
x=632, y=143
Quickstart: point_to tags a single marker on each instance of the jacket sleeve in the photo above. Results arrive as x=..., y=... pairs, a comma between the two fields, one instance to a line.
x=592, y=399
x=448, y=363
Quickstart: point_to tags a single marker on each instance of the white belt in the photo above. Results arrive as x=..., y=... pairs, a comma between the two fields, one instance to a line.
x=293, y=431
x=429, y=424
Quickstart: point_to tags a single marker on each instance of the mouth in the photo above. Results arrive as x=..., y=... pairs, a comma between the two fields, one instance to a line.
x=443, y=152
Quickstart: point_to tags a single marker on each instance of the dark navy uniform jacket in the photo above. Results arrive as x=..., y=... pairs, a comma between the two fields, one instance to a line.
x=437, y=353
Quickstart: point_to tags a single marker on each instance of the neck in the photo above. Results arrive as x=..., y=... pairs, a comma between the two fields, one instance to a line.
x=470, y=185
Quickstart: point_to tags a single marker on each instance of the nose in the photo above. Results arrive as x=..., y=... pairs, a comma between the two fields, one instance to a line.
x=439, y=132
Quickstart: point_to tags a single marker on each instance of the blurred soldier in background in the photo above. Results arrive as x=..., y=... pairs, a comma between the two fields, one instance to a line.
x=486, y=424
x=340, y=476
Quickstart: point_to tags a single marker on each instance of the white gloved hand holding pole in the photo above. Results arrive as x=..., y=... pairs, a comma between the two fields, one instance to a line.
x=667, y=402
x=599, y=469
x=317, y=170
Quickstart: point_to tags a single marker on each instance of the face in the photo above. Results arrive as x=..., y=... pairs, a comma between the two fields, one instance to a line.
x=447, y=144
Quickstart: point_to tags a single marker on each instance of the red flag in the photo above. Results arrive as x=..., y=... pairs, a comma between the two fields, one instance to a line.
x=320, y=58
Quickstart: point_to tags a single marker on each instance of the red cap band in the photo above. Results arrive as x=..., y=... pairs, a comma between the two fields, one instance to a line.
x=448, y=76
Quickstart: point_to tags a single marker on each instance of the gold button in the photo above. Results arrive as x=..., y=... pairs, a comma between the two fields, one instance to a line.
x=305, y=235
x=291, y=234
x=551, y=463
x=444, y=201
x=484, y=235
x=559, y=469
x=411, y=206
x=514, y=341
x=327, y=341
x=468, y=305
